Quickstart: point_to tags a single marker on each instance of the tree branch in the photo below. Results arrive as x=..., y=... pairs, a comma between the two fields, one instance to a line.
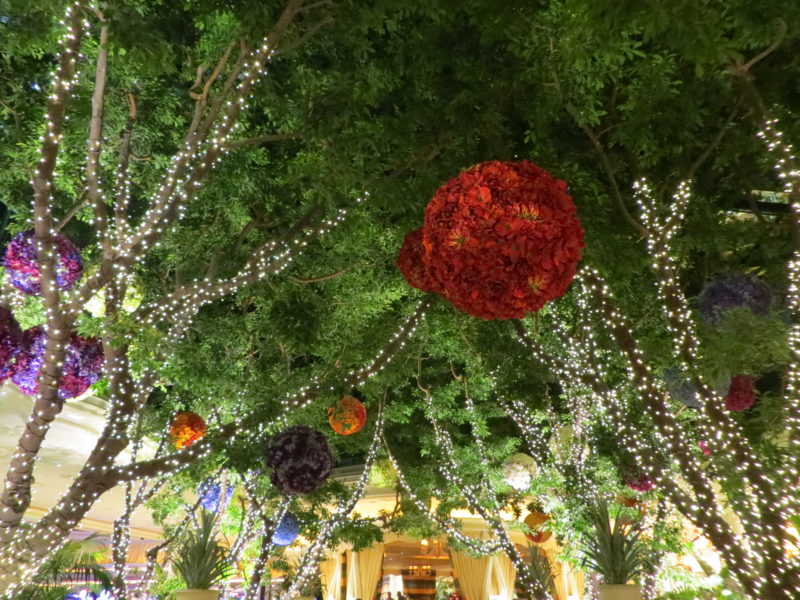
x=262, y=139
x=94, y=193
x=321, y=279
x=121, y=195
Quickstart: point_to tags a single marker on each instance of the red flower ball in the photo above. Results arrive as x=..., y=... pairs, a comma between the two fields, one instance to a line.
x=186, y=429
x=741, y=393
x=502, y=239
x=411, y=262
x=641, y=483
x=704, y=448
x=347, y=416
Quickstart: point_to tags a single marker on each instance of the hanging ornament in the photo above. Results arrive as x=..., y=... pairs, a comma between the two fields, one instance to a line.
x=680, y=388
x=211, y=496
x=347, y=416
x=10, y=340
x=640, y=483
x=534, y=521
x=383, y=474
x=186, y=429
x=732, y=291
x=502, y=239
x=287, y=530
x=411, y=262
x=301, y=460
x=519, y=470
x=23, y=269
x=81, y=369
x=741, y=393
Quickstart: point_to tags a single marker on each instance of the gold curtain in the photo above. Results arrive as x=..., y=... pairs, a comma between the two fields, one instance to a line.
x=503, y=577
x=363, y=571
x=474, y=574
x=330, y=571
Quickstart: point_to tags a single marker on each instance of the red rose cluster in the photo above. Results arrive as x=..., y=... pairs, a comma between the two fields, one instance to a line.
x=741, y=393
x=499, y=241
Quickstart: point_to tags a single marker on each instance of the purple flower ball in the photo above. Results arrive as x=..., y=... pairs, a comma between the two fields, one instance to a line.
x=212, y=498
x=301, y=460
x=732, y=291
x=82, y=364
x=287, y=530
x=23, y=269
x=10, y=339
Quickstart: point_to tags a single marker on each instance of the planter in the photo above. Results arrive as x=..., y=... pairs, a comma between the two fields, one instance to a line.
x=620, y=592
x=197, y=595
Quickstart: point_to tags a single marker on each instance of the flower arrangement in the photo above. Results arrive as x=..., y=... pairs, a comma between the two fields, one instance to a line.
x=212, y=498
x=347, y=416
x=22, y=266
x=534, y=521
x=519, y=470
x=731, y=291
x=640, y=483
x=187, y=428
x=10, y=339
x=704, y=448
x=411, y=262
x=741, y=393
x=500, y=240
x=81, y=369
x=681, y=388
x=287, y=530
x=301, y=460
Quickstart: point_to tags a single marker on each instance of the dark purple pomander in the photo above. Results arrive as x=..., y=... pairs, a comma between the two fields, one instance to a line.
x=82, y=364
x=10, y=339
x=731, y=291
x=680, y=388
x=23, y=269
x=301, y=460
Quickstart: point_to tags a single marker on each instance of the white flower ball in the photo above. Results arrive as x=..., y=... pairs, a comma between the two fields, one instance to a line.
x=519, y=470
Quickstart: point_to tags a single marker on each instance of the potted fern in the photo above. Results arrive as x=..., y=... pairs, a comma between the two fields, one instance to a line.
x=201, y=561
x=616, y=553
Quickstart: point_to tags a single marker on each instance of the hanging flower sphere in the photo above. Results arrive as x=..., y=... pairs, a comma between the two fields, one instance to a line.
x=502, y=239
x=741, y=393
x=680, y=388
x=383, y=474
x=347, y=416
x=411, y=262
x=301, y=460
x=23, y=269
x=211, y=495
x=287, y=530
x=519, y=470
x=10, y=340
x=81, y=369
x=704, y=448
x=534, y=521
x=186, y=429
x=731, y=291
x=640, y=483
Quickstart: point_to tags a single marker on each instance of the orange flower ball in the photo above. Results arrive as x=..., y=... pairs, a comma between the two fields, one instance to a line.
x=534, y=521
x=347, y=416
x=187, y=428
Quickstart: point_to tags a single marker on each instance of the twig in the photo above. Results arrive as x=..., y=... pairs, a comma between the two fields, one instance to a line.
x=312, y=31
x=262, y=139
x=321, y=279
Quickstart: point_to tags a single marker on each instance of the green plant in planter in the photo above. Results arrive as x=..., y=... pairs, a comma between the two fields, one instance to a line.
x=542, y=572
x=616, y=551
x=199, y=557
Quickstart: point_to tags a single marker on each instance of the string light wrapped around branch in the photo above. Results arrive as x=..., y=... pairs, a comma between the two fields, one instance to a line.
x=187, y=428
x=501, y=239
x=10, y=339
x=347, y=416
x=301, y=460
x=22, y=266
x=82, y=365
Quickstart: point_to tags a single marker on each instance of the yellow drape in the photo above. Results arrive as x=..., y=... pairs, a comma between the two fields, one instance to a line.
x=363, y=571
x=474, y=574
x=503, y=577
x=330, y=571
